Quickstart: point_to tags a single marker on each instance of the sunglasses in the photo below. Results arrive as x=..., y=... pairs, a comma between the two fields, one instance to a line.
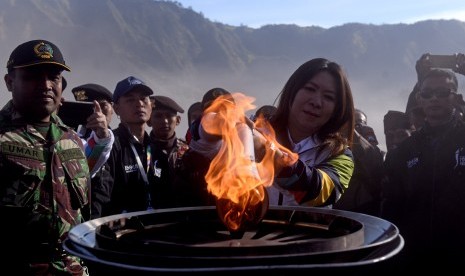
x=438, y=92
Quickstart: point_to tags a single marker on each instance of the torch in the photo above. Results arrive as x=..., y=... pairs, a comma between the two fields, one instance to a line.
x=251, y=206
x=234, y=176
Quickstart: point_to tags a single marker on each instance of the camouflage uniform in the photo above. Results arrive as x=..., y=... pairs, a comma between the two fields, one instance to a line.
x=44, y=183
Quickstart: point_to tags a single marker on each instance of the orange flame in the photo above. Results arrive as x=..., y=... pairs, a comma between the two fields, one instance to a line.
x=235, y=177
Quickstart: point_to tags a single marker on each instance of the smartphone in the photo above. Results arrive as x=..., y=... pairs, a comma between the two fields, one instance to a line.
x=443, y=61
x=74, y=114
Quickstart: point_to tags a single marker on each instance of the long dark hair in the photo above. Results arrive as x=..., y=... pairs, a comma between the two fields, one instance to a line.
x=339, y=130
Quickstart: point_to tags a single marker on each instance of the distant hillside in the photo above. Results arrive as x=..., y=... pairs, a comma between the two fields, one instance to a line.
x=181, y=53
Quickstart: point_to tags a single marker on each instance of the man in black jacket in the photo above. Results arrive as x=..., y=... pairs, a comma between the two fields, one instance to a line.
x=167, y=150
x=426, y=190
x=131, y=153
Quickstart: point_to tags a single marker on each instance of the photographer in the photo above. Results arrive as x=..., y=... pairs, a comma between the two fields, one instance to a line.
x=426, y=175
x=454, y=62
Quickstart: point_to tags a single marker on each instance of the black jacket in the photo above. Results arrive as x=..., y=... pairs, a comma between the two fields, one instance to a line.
x=166, y=162
x=100, y=194
x=126, y=185
x=425, y=194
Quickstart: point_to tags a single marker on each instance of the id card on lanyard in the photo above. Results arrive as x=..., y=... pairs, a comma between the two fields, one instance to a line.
x=144, y=172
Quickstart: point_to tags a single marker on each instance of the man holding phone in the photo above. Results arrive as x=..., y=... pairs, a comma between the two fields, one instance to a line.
x=91, y=92
x=426, y=174
x=427, y=61
x=102, y=100
x=91, y=124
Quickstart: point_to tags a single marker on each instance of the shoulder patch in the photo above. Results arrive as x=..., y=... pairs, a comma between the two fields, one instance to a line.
x=70, y=154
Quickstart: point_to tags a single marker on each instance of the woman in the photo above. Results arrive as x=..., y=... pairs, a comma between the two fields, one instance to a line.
x=315, y=119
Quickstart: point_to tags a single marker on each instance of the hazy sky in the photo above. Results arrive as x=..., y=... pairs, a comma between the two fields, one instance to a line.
x=256, y=13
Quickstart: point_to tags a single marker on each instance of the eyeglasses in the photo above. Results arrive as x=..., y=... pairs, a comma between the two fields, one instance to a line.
x=438, y=92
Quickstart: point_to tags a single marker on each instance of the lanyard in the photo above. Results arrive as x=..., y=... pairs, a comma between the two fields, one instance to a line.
x=143, y=173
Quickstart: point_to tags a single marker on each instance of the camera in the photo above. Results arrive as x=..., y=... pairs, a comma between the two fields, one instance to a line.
x=443, y=61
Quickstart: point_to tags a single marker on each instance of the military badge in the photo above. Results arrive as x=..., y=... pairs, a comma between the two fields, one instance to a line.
x=80, y=95
x=43, y=50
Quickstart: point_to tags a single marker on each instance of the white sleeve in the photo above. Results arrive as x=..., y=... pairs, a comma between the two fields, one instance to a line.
x=104, y=146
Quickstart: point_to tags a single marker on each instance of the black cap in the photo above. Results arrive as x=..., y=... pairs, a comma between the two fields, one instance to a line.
x=36, y=52
x=166, y=102
x=90, y=92
x=129, y=84
x=211, y=95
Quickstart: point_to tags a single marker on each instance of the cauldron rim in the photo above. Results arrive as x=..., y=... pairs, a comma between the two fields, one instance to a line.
x=81, y=239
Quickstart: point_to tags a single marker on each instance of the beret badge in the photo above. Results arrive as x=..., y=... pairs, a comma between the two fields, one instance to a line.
x=43, y=50
x=80, y=95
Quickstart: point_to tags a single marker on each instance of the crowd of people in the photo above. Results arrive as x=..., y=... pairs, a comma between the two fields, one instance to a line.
x=55, y=177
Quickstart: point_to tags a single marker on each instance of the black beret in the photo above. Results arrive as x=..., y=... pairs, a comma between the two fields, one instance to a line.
x=166, y=102
x=36, y=52
x=90, y=92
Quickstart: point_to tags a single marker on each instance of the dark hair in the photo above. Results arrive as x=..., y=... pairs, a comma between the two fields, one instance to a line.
x=266, y=110
x=195, y=106
x=339, y=130
x=211, y=96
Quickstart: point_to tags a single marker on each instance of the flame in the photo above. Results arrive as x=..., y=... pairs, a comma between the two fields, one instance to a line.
x=235, y=177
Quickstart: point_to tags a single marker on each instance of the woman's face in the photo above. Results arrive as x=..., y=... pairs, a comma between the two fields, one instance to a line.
x=313, y=106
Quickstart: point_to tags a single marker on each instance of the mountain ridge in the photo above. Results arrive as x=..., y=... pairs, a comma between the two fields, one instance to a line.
x=182, y=54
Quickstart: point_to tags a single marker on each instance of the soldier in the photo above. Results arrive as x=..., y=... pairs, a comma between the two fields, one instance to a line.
x=167, y=150
x=99, y=193
x=95, y=92
x=43, y=166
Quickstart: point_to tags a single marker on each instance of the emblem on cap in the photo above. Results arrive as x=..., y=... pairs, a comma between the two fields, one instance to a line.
x=134, y=81
x=80, y=95
x=43, y=50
